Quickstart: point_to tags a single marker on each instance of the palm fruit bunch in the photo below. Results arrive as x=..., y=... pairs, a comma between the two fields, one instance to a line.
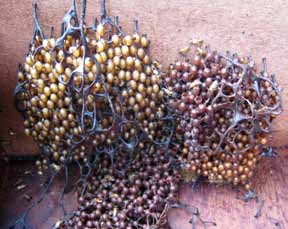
x=224, y=107
x=92, y=90
x=94, y=96
x=136, y=194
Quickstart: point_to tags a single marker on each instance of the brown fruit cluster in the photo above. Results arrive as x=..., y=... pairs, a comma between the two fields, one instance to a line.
x=92, y=90
x=225, y=107
x=125, y=195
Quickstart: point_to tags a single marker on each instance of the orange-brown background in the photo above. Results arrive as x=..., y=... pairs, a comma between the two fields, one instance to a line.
x=248, y=27
x=256, y=27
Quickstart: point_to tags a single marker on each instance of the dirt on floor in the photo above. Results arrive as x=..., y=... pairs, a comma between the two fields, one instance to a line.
x=222, y=205
x=248, y=27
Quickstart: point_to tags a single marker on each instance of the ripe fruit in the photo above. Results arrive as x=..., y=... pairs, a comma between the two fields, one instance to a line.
x=225, y=109
x=128, y=195
x=99, y=87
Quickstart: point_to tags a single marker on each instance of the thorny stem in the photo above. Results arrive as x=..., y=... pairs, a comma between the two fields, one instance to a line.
x=279, y=147
x=37, y=28
x=22, y=219
x=135, y=26
x=259, y=209
x=83, y=39
x=73, y=4
x=264, y=63
x=51, y=31
x=74, y=12
x=275, y=222
x=94, y=23
x=83, y=11
x=194, y=212
x=103, y=9
x=116, y=20
x=197, y=179
x=64, y=190
x=268, y=153
x=248, y=196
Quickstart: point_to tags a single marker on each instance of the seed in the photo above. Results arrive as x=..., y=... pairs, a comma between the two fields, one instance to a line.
x=142, y=77
x=136, y=75
x=144, y=42
x=115, y=39
x=100, y=29
x=61, y=87
x=88, y=62
x=116, y=60
x=54, y=88
x=132, y=101
x=47, y=91
x=110, y=66
x=45, y=112
x=63, y=113
x=27, y=132
x=45, y=44
x=133, y=50
x=139, y=97
x=141, y=53
x=34, y=73
x=100, y=46
x=127, y=40
x=48, y=58
x=110, y=78
x=59, y=68
x=50, y=104
x=133, y=84
x=38, y=66
x=129, y=61
x=156, y=88
x=182, y=107
x=146, y=59
x=103, y=56
x=125, y=51
x=117, y=51
x=53, y=98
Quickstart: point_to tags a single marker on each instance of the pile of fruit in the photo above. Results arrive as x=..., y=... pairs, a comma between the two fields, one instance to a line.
x=95, y=96
x=93, y=90
x=225, y=108
x=128, y=195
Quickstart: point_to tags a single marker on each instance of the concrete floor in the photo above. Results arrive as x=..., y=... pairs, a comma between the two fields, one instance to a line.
x=248, y=27
x=220, y=204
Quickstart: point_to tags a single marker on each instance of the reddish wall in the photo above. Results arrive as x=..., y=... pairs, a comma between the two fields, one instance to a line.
x=256, y=27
